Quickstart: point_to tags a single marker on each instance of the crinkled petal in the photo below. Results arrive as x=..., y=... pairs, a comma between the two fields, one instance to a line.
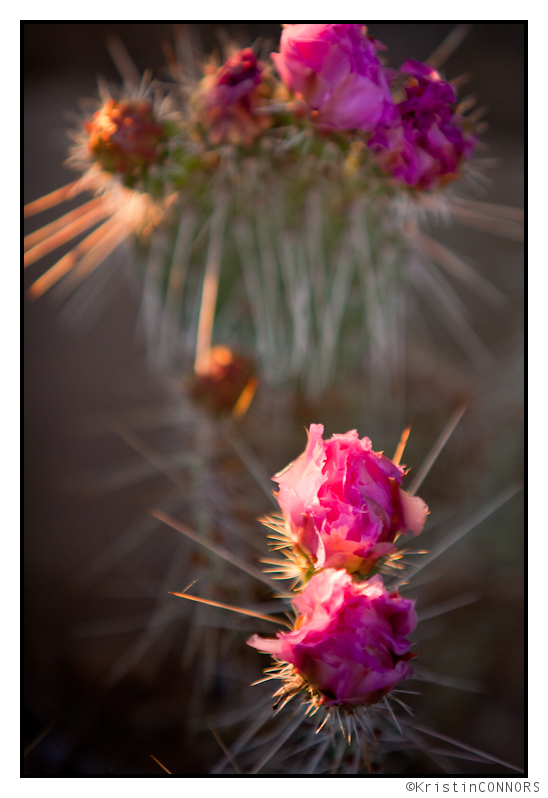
x=350, y=642
x=340, y=499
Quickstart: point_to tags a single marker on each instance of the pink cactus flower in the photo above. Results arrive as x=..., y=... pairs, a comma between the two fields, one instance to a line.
x=335, y=69
x=343, y=503
x=350, y=639
x=426, y=146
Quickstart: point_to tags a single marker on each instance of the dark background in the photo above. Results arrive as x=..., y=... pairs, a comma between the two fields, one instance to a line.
x=72, y=372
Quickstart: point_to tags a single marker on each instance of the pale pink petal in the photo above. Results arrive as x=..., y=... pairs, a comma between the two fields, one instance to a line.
x=414, y=512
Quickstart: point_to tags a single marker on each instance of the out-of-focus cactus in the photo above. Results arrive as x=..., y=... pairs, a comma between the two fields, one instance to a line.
x=280, y=217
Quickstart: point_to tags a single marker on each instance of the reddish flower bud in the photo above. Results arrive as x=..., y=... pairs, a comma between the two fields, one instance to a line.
x=125, y=137
x=227, y=376
x=228, y=99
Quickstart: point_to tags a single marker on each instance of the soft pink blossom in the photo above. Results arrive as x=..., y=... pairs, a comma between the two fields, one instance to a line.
x=335, y=68
x=343, y=503
x=350, y=639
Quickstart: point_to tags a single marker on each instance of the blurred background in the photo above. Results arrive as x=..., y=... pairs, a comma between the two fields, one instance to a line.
x=79, y=718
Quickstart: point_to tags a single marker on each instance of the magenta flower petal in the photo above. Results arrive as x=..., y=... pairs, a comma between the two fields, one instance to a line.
x=426, y=142
x=350, y=644
x=273, y=647
x=343, y=504
x=336, y=70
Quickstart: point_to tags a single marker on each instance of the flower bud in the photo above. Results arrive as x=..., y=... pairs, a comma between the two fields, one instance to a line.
x=335, y=69
x=227, y=99
x=343, y=503
x=227, y=376
x=125, y=137
x=350, y=641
